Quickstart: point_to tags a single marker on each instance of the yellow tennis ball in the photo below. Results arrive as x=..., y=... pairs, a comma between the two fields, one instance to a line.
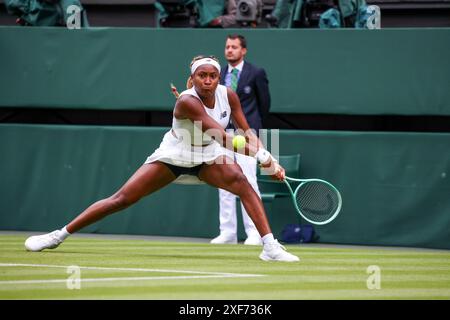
x=239, y=142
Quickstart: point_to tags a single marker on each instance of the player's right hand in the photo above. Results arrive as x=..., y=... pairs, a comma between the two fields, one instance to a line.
x=273, y=168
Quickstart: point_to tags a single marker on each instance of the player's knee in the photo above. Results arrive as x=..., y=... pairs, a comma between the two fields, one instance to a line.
x=121, y=200
x=239, y=183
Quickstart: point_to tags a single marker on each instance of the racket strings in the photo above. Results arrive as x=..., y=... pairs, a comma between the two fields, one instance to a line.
x=317, y=200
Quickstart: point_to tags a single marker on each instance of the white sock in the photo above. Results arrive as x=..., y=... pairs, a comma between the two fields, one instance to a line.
x=268, y=238
x=63, y=233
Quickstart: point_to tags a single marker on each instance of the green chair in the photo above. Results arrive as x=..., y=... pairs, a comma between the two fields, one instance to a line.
x=271, y=189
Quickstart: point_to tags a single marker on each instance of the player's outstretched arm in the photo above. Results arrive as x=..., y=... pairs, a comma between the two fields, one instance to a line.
x=254, y=147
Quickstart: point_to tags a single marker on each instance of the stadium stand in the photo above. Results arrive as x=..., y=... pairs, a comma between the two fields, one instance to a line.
x=414, y=13
x=142, y=13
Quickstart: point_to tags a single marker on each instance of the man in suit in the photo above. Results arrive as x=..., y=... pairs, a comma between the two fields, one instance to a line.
x=251, y=85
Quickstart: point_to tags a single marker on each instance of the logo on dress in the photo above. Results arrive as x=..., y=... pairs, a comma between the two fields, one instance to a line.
x=247, y=89
x=223, y=114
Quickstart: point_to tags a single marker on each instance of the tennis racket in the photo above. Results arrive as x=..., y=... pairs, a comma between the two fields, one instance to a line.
x=317, y=201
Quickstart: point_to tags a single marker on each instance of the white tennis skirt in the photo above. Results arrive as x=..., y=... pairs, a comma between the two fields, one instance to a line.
x=178, y=153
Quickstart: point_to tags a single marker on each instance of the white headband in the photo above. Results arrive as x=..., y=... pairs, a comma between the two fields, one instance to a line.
x=203, y=61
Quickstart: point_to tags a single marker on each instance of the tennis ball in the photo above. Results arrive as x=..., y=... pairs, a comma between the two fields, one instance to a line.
x=239, y=142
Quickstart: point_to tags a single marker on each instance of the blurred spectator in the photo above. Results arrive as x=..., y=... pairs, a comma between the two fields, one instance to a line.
x=180, y=13
x=197, y=13
x=46, y=12
x=319, y=13
x=228, y=19
x=284, y=13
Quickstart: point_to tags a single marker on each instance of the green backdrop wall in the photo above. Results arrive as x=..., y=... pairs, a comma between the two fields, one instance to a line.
x=395, y=186
x=346, y=71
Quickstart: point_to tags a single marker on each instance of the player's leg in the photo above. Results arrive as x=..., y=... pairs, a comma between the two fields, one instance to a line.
x=229, y=176
x=147, y=179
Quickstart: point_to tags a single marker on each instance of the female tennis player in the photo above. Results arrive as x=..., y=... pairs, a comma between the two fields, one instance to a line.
x=195, y=148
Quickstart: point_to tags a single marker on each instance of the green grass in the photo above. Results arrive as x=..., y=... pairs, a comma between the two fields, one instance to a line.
x=322, y=273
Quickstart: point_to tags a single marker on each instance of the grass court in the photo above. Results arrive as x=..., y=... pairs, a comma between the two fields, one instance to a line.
x=171, y=270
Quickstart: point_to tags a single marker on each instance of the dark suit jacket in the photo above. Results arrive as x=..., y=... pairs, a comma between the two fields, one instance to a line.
x=253, y=92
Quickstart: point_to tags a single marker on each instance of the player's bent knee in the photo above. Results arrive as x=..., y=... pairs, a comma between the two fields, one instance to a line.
x=120, y=200
x=239, y=183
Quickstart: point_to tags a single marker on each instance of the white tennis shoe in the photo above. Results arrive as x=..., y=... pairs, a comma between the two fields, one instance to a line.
x=46, y=241
x=276, y=252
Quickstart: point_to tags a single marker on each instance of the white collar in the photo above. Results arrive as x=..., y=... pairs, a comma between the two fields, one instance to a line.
x=239, y=66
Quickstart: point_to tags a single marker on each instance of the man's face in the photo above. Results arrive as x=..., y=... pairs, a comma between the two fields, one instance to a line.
x=234, y=53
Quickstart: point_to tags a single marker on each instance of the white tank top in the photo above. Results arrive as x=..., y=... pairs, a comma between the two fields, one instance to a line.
x=190, y=133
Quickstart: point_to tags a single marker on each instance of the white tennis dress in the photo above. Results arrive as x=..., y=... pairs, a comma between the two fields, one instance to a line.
x=185, y=145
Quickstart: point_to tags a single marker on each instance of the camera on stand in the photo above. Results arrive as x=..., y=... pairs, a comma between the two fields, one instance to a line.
x=249, y=12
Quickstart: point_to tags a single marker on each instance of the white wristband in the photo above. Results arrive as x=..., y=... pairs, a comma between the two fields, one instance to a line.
x=262, y=155
x=273, y=159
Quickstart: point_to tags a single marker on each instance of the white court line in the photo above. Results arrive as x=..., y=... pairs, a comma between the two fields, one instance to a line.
x=126, y=269
x=203, y=274
x=117, y=279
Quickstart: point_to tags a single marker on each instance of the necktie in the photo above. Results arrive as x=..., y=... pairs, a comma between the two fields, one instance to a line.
x=234, y=79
